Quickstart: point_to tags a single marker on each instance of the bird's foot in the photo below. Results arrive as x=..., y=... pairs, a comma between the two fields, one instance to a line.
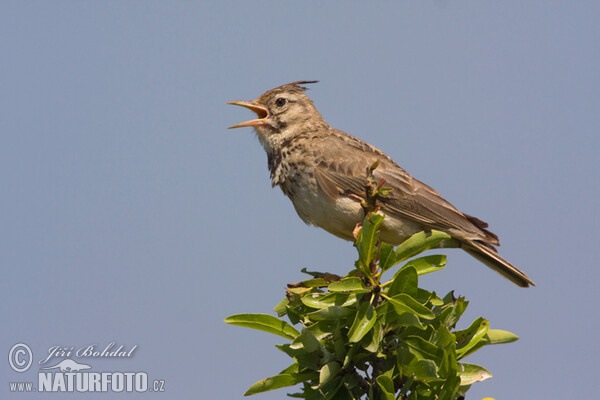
x=357, y=229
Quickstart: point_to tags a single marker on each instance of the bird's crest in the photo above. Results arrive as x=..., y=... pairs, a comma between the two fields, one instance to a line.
x=299, y=83
x=296, y=85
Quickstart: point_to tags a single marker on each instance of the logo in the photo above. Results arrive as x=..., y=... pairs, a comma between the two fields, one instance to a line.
x=69, y=365
x=70, y=369
x=20, y=357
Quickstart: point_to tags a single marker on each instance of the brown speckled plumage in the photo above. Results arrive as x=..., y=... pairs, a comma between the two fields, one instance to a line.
x=318, y=167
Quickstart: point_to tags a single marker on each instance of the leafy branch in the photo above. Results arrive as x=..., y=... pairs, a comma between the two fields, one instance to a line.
x=360, y=337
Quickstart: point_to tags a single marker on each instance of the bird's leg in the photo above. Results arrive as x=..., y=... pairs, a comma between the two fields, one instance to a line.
x=357, y=229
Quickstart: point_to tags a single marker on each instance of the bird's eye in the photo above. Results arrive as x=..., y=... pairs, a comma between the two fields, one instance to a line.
x=280, y=102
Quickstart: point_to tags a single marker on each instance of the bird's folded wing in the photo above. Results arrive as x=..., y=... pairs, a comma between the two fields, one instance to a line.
x=345, y=173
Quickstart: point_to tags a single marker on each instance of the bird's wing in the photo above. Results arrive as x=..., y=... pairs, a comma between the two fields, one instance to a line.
x=343, y=171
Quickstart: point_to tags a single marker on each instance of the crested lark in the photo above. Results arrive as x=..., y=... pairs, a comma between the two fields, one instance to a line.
x=321, y=169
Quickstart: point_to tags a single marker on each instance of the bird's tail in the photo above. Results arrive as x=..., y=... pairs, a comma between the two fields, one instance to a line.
x=490, y=257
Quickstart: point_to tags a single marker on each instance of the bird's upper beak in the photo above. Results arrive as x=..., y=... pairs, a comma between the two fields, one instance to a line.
x=261, y=111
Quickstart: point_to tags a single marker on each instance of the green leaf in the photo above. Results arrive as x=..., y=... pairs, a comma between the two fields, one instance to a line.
x=315, y=282
x=496, y=336
x=350, y=382
x=329, y=390
x=306, y=340
x=352, y=284
x=339, y=343
x=349, y=358
x=418, y=243
x=471, y=373
x=304, y=359
x=387, y=257
x=404, y=303
x=493, y=336
x=424, y=297
x=287, y=349
x=386, y=387
x=409, y=319
x=374, y=343
x=325, y=300
x=328, y=372
x=470, y=337
x=405, y=281
x=281, y=308
x=422, y=348
x=300, y=290
x=292, y=369
x=264, y=322
x=406, y=387
x=323, y=329
x=450, y=312
x=384, y=191
x=367, y=240
x=364, y=321
x=446, y=341
x=425, y=370
x=431, y=297
x=274, y=382
x=427, y=264
x=450, y=388
x=334, y=312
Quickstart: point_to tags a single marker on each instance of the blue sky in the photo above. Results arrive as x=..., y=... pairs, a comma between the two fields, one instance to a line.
x=130, y=213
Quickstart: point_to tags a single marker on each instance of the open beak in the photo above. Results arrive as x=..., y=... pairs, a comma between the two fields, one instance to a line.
x=261, y=112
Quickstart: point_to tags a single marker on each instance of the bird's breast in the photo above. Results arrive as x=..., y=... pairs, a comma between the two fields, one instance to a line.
x=338, y=217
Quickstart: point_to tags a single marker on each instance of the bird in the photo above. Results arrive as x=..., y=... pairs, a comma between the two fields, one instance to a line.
x=322, y=171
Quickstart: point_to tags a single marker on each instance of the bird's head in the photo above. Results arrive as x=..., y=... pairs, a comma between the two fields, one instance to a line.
x=283, y=110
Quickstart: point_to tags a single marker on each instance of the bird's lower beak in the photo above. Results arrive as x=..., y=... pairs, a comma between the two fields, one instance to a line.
x=261, y=111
